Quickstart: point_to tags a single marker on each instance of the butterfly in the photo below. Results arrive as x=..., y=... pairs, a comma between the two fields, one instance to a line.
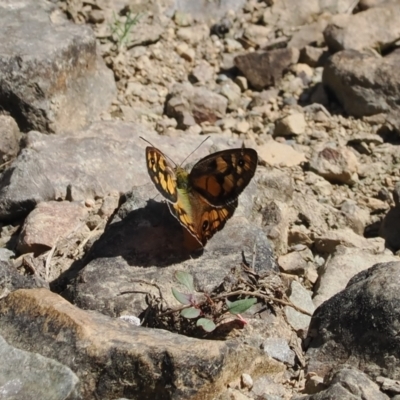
x=203, y=199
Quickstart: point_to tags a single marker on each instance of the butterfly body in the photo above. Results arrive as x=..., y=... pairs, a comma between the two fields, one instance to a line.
x=206, y=197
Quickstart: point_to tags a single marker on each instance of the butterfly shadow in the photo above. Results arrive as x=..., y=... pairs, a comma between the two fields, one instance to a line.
x=146, y=236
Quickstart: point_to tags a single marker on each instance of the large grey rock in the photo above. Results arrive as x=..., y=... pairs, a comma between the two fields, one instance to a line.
x=106, y=157
x=359, y=326
x=365, y=85
x=376, y=28
x=51, y=78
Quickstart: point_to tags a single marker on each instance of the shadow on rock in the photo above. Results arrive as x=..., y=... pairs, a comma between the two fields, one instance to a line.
x=147, y=236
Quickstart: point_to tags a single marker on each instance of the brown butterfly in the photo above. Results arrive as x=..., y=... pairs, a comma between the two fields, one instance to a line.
x=203, y=199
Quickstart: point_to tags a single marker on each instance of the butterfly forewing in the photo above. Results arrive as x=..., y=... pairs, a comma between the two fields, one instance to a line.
x=161, y=173
x=222, y=176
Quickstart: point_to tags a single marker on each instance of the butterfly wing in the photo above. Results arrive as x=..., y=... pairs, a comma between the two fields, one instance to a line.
x=222, y=176
x=162, y=174
x=200, y=218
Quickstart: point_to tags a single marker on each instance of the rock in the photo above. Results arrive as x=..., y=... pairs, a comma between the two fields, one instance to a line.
x=232, y=46
x=193, y=34
x=299, y=235
x=233, y=394
x=9, y=138
x=242, y=127
x=275, y=224
x=301, y=298
x=313, y=56
x=366, y=4
x=55, y=78
x=11, y=280
x=293, y=13
x=266, y=387
x=232, y=92
x=275, y=153
x=266, y=68
x=49, y=223
x=257, y=34
x=144, y=34
x=100, y=359
x=293, y=124
x=336, y=165
x=208, y=11
x=348, y=384
x=96, y=16
x=328, y=242
x=145, y=234
x=28, y=375
x=292, y=263
x=241, y=81
x=389, y=385
x=185, y=52
x=6, y=254
x=247, y=381
x=341, y=267
x=183, y=19
x=345, y=324
x=202, y=72
x=309, y=34
x=197, y=103
x=364, y=84
x=389, y=229
x=92, y=164
x=279, y=349
x=356, y=217
x=71, y=172
x=375, y=28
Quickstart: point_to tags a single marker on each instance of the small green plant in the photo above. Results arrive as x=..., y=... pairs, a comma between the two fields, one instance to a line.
x=121, y=29
x=210, y=310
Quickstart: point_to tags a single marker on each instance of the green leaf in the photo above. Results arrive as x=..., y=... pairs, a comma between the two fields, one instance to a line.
x=183, y=298
x=190, y=312
x=240, y=306
x=206, y=324
x=186, y=279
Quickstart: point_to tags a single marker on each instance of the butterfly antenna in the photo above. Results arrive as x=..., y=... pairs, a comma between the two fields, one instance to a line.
x=208, y=137
x=152, y=145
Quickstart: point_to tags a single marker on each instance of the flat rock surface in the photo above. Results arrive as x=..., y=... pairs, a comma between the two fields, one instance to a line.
x=106, y=157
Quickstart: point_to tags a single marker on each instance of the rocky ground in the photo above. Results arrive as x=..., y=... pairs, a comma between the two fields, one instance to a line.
x=88, y=247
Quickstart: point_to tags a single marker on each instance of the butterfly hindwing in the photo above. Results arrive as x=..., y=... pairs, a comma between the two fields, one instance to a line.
x=222, y=176
x=201, y=219
x=161, y=173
